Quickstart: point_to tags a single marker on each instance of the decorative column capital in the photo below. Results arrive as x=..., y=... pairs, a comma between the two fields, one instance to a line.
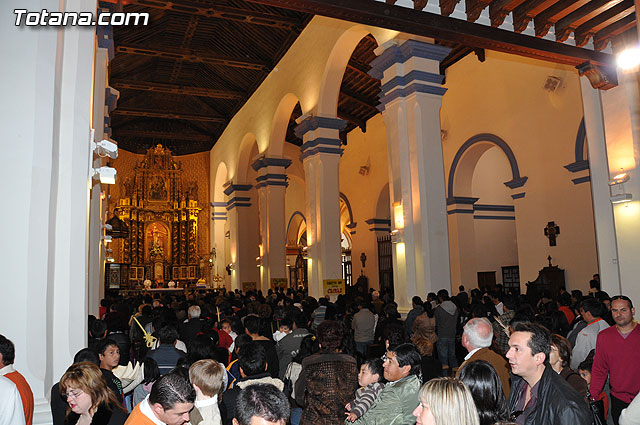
x=407, y=68
x=320, y=135
x=313, y=123
x=271, y=171
x=394, y=52
x=235, y=192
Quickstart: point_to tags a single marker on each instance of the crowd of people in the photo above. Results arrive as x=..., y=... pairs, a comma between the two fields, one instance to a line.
x=223, y=358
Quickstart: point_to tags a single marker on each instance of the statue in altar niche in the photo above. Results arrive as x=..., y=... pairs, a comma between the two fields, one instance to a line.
x=158, y=235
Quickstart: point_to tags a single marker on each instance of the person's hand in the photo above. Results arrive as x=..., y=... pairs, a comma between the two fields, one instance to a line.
x=351, y=417
x=348, y=407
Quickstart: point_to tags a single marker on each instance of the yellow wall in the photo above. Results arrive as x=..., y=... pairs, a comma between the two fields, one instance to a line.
x=505, y=96
x=362, y=191
x=495, y=240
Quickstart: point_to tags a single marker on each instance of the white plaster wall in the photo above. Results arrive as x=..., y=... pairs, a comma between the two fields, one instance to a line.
x=623, y=153
x=45, y=117
x=505, y=96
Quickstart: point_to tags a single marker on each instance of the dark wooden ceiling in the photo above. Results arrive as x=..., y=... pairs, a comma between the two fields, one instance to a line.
x=185, y=75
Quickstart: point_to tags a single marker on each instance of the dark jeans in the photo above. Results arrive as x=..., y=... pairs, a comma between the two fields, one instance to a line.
x=447, y=351
x=617, y=406
x=361, y=347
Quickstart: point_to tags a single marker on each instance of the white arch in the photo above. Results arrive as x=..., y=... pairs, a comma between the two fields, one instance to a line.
x=337, y=63
x=280, y=124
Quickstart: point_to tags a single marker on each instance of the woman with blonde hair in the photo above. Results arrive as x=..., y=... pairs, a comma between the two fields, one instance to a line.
x=90, y=400
x=445, y=401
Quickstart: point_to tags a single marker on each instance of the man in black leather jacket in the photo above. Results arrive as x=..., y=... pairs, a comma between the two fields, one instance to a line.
x=539, y=396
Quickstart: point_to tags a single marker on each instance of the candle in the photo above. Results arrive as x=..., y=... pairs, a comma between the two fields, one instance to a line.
x=218, y=310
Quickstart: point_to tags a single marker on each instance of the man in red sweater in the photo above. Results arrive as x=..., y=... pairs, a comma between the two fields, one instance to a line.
x=7, y=355
x=618, y=356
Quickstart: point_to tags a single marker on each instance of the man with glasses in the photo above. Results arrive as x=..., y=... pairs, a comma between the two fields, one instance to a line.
x=399, y=398
x=539, y=396
x=618, y=356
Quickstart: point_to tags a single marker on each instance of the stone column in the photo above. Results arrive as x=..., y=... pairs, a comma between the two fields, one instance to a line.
x=599, y=172
x=271, y=184
x=48, y=82
x=321, y=158
x=242, y=233
x=104, y=102
x=411, y=98
x=611, y=121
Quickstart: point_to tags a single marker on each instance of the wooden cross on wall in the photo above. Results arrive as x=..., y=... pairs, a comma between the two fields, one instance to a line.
x=551, y=231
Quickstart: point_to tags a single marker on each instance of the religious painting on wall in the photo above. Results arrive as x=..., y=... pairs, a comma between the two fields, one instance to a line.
x=158, y=188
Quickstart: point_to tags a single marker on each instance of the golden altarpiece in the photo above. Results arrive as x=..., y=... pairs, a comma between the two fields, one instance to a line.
x=155, y=225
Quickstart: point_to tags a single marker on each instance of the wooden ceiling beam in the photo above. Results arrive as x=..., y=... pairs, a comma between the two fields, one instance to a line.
x=164, y=135
x=602, y=37
x=603, y=20
x=191, y=56
x=474, y=8
x=448, y=6
x=176, y=89
x=169, y=115
x=499, y=9
x=369, y=104
x=553, y=14
x=221, y=12
x=526, y=11
x=565, y=26
x=370, y=12
x=354, y=120
x=359, y=67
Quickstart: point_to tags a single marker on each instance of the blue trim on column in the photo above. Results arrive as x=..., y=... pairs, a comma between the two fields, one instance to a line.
x=295, y=213
x=272, y=183
x=517, y=180
x=404, y=52
x=239, y=199
x=320, y=141
x=230, y=188
x=238, y=202
x=271, y=176
x=270, y=162
x=493, y=217
x=518, y=195
x=581, y=139
x=580, y=180
x=380, y=229
x=459, y=211
x=218, y=204
x=104, y=34
x=110, y=98
x=409, y=90
x=313, y=123
x=378, y=221
x=489, y=207
x=321, y=149
x=413, y=76
x=464, y=200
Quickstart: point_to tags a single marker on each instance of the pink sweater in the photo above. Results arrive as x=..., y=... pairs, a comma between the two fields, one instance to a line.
x=620, y=359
